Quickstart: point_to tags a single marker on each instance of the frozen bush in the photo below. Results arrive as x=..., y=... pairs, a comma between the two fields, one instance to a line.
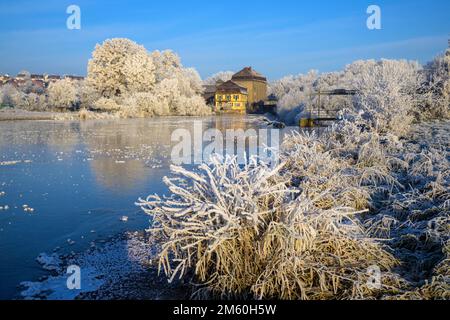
x=62, y=94
x=387, y=92
x=105, y=104
x=87, y=95
x=435, y=90
x=259, y=231
x=294, y=95
x=33, y=102
x=10, y=96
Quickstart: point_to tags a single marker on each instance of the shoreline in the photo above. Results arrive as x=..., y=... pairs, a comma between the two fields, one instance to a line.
x=23, y=115
x=8, y=114
x=120, y=269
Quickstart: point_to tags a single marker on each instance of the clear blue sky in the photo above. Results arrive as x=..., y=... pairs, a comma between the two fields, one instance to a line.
x=275, y=37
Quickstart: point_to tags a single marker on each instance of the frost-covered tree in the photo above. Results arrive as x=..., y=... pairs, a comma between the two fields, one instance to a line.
x=33, y=102
x=223, y=76
x=177, y=89
x=294, y=95
x=87, y=95
x=133, y=82
x=387, y=99
x=193, y=81
x=10, y=96
x=176, y=96
x=167, y=64
x=387, y=92
x=62, y=94
x=435, y=89
x=120, y=66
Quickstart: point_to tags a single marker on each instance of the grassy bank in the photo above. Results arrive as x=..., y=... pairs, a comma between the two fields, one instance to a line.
x=8, y=114
x=336, y=208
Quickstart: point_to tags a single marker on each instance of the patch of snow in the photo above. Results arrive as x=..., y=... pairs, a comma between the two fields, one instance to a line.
x=99, y=266
x=49, y=262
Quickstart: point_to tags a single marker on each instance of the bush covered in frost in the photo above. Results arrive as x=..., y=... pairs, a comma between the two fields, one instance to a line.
x=62, y=94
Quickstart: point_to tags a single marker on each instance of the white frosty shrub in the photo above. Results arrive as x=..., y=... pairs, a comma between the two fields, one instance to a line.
x=387, y=92
x=436, y=89
x=10, y=96
x=33, y=102
x=106, y=104
x=179, y=97
x=248, y=231
x=62, y=94
x=294, y=95
x=144, y=104
x=87, y=95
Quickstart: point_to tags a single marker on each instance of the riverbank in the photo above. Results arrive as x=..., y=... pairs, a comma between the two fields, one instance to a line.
x=120, y=269
x=11, y=114
x=8, y=114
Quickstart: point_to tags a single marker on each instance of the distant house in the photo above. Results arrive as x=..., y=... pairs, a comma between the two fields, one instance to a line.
x=74, y=78
x=254, y=100
x=232, y=97
x=38, y=84
x=37, y=77
x=53, y=77
x=255, y=83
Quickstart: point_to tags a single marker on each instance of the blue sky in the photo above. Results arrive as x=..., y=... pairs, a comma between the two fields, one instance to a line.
x=276, y=37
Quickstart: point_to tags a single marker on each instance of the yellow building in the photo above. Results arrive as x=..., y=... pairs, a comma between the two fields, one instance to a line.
x=254, y=82
x=231, y=97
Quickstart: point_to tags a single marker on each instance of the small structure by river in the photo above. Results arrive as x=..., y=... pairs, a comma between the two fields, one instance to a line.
x=246, y=92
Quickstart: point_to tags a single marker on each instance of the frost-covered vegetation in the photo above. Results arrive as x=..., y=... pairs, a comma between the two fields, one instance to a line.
x=223, y=76
x=124, y=80
x=392, y=93
x=371, y=191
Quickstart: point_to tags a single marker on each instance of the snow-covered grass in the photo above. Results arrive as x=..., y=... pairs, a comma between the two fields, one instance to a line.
x=338, y=204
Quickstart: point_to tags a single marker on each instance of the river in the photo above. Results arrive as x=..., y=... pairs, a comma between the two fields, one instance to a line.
x=68, y=186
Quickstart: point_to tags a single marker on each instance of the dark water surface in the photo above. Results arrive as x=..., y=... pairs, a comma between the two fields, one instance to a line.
x=80, y=179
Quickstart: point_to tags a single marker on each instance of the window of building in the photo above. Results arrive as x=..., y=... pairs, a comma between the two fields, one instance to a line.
x=228, y=98
x=236, y=97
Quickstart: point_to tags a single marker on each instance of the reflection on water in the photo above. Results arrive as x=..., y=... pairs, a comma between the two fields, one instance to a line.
x=81, y=178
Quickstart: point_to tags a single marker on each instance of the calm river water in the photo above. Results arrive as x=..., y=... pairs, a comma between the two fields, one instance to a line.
x=80, y=180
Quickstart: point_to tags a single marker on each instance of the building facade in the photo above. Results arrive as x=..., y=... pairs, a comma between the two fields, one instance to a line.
x=254, y=82
x=231, y=97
